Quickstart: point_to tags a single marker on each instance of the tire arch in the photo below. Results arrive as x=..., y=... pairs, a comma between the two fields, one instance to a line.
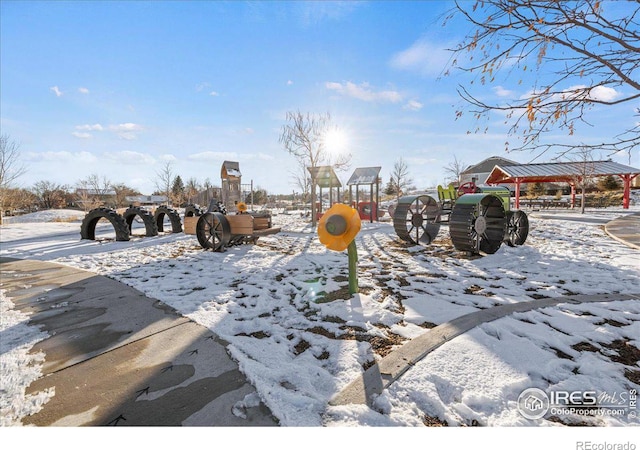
x=91, y=219
x=172, y=214
x=151, y=228
x=192, y=210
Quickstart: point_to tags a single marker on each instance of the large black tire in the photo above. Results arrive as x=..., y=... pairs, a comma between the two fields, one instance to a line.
x=477, y=223
x=416, y=219
x=193, y=210
x=517, y=228
x=150, y=226
x=88, y=227
x=172, y=214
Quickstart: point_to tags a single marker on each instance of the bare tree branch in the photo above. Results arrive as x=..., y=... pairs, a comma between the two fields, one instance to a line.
x=303, y=136
x=583, y=54
x=454, y=169
x=400, y=178
x=10, y=166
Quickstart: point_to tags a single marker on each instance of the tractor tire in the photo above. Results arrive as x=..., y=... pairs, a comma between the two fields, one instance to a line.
x=150, y=226
x=172, y=214
x=193, y=210
x=91, y=219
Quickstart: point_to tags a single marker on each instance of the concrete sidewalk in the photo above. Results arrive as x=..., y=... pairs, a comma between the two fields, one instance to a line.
x=117, y=357
x=625, y=229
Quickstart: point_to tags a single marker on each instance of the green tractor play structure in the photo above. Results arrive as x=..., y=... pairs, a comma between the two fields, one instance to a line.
x=479, y=217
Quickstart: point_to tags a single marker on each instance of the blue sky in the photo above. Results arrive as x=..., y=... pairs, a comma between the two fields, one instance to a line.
x=120, y=88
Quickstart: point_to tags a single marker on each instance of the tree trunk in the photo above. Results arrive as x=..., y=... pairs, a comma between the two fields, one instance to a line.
x=313, y=203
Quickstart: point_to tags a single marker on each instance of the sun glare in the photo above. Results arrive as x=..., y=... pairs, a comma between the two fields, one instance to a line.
x=336, y=141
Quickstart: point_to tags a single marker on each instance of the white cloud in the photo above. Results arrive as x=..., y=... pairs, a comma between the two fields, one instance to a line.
x=312, y=13
x=259, y=156
x=126, y=130
x=168, y=158
x=83, y=90
x=214, y=94
x=129, y=157
x=213, y=156
x=604, y=93
x=418, y=161
x=80, y=135
x=202, y=86
x=413, y=105
x=424, y=57
x=62, y=156
x=598, y=93
x=126, y=127
x=56, y=91
x=289, y=82
x=502, y=92
x=87, y=127
x=363, y=92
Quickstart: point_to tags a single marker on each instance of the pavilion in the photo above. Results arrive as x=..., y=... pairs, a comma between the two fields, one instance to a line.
x=568, y=172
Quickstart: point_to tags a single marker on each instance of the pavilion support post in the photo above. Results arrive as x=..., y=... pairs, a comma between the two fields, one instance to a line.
x=377, y=198
x=351, y=195
x=371, y=207
x=573, y=195
x=517, y=180
x=626, y=196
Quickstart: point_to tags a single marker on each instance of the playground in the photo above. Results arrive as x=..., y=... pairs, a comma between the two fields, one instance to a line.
x=283, y=306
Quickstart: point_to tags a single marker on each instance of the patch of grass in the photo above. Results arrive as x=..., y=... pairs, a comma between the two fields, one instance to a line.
x=66, y=219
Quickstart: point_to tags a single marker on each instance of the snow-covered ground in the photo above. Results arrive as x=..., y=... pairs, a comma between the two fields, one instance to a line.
x=284, y=307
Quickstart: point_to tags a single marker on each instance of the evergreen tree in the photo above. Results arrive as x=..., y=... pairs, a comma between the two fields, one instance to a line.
x=390, y=188
x=177, y=191
x=609, y=183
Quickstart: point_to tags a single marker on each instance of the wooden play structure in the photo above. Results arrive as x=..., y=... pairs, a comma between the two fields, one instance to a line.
x=324, y=177
x=366, y=176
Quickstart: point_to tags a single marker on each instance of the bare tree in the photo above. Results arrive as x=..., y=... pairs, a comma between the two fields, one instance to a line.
x=19, y=199
x=454, y=169
x=192, y=189
x=164, y=180
x=304, y=137
x=583, y=158
x=302, y=179
x=583, y=54
x=94, y=191
x=400, y=177
x=50, y=195
x=123, y=191
x=10, y=167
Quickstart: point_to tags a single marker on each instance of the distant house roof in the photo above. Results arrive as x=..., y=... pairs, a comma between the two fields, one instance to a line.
x=99, y=192
x=364, y=175
x=146, y=198
x=488, y=164
x=230, y=169
x=324, y=176
x=564, y=171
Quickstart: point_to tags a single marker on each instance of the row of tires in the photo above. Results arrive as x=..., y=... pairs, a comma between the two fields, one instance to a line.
x=122, y=224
